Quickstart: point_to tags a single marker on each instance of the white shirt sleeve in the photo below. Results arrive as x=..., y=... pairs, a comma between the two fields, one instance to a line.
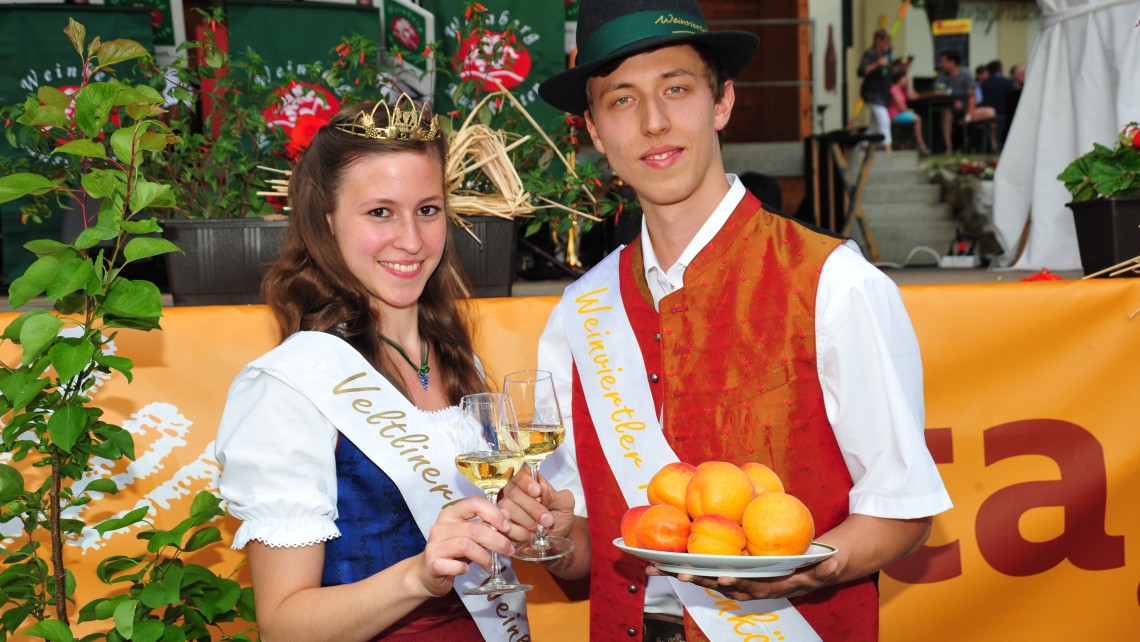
x=561, y=468
x=871, y=373
x=278, y=457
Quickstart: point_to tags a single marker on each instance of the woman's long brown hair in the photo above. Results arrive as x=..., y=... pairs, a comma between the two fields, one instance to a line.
x=309, y=287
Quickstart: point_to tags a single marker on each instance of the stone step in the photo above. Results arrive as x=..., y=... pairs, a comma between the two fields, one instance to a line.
x=907, y=212
x=917, y=176
x=898, y=240
x=905, y=159
x=880, y=193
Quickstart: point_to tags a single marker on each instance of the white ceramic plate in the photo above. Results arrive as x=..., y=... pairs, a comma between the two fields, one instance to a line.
x=730, y=565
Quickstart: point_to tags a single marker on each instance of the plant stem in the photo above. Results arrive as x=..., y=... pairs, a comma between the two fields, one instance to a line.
x=58, y=571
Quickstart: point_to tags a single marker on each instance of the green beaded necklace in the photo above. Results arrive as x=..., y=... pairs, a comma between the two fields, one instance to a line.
x=422, y=369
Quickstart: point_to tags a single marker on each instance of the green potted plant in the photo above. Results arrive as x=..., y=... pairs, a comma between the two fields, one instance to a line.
x=507, y=167
x=56, y=442
x=235, y=128
x=1105, y=185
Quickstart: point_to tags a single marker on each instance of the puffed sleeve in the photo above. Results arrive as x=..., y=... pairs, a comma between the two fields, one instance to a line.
x=277, y=453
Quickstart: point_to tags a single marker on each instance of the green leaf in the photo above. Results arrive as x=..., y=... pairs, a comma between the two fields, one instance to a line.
x=53, y=97
x=125, y=618
x=144, y=247
x=133, y=300
x=66, y=425
x=148, y=631
x=116, y=523
x=70, y=357
x=205, y=507
x=121, y=364
x=122, y=440
x=115, y=51
x=93, y=105
x=52, y=630
x=11, y=483
x=101, y=183
x=20, y=388
x=82, y=147
x=106, y=572
x=168, y=590
x=102, y=486
x=92, y=236
x=73, y=275
x=37, y=332
x=202, y=538
x=37, y=115
x=146, y=194
x=139, y=95
x=123, y=144
x=46, y=247
x=154, y=142
x=23, y=184
x=77, y=34
x=142, y=226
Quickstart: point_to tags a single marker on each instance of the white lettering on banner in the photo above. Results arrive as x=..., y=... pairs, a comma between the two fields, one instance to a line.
x=622, y=417
x=395, y=432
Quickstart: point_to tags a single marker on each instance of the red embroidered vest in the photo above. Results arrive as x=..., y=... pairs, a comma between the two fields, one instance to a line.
x=731, y=358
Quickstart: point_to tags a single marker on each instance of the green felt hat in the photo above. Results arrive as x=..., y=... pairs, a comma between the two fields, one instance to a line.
x=612, y=30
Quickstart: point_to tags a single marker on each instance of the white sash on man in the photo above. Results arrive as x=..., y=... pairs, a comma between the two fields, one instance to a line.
x=391, y=432
x=617, y=392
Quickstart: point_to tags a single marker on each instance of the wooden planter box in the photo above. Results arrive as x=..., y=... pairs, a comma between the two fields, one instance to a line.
x=222, y=260
x=1108, y=232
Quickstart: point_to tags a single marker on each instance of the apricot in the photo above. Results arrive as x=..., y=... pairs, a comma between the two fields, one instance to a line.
x=778, y=524
x=713, y=534
x=764, y=479
x=629, y=525
x=663, y=528
x=719, y=487
x=667, y=486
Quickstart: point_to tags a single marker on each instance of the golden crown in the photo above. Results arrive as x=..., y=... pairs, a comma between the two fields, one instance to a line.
x=404, y=122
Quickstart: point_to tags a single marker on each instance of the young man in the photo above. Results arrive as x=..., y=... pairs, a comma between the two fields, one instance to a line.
x=725, y=332
x=961, y=84
x=875, y=70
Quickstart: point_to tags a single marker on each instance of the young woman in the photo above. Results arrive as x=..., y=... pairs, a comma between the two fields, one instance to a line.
x=337, y=446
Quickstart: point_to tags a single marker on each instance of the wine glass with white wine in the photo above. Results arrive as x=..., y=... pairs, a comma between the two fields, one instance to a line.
x=491, y=455
x=540, y=429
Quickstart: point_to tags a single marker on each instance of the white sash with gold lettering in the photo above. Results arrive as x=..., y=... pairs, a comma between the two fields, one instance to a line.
x=391, y=432
x=617, y=392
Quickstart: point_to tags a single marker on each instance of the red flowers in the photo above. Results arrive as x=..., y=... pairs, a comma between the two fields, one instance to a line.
x=1130, y=135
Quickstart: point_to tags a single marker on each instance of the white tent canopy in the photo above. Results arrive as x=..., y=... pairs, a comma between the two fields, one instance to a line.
x=1082, y=86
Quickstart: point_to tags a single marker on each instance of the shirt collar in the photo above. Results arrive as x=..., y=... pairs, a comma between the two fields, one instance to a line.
x=661, y=281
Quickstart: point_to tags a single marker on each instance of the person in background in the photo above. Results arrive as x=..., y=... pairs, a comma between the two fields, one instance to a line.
x=960, y=82
x=753, y=338
x=996, y=89
x=1017, y=76
x=875, y=70
x=980, y=75
x=333, y=524
x=901, y=113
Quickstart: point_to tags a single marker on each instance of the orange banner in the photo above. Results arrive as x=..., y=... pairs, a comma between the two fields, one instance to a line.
x=1032, y=412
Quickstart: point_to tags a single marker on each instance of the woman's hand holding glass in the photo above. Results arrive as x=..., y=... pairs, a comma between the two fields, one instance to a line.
x=490, y=455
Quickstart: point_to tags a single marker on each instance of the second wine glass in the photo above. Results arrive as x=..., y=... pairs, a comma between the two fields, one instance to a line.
x=531, y=393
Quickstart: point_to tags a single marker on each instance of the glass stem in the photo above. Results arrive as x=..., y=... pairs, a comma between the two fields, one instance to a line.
x=539, y=529
x=496, y=565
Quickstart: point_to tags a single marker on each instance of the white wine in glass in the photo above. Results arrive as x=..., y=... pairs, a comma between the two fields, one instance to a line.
x=491, y=454
x=541, y=432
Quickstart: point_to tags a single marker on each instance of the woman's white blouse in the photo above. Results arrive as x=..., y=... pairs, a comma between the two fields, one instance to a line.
x=278, y=457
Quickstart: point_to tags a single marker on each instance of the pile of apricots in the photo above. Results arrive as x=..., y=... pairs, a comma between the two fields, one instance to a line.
x=718, y=508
